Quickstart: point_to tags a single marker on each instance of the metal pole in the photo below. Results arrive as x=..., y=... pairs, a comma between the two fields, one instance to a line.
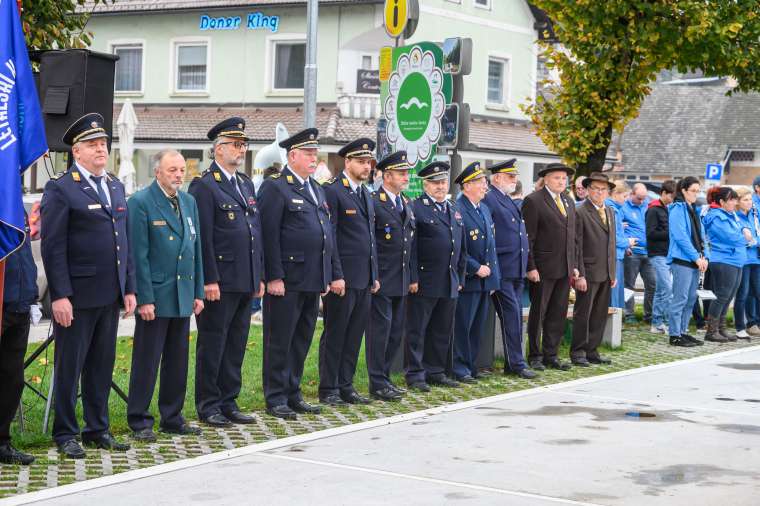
x=310, y=69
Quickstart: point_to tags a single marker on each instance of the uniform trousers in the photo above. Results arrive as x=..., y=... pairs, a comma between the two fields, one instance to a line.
x=589, y=319
x=164, y=342
x=469, y=325
x=384, y=335
x=507, y=302
x=289, y=323
x=548, y=314
x=345, y=320
x=430, y=322
x=87, y=350
x=13, y=340
x=223, y=327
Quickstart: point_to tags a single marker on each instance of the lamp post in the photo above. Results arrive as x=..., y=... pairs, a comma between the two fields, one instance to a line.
x=310, y=69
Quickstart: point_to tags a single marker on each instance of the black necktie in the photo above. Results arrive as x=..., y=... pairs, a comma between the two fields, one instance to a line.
x=233, y=181
x=174, y=201
x=399, y=205
x=101, y=193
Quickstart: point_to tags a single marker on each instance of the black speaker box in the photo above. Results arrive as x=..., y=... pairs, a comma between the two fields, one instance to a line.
x=74, y=82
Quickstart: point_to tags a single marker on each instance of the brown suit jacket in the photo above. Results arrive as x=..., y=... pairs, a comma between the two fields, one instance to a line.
x=551, y=235
x=596, y=243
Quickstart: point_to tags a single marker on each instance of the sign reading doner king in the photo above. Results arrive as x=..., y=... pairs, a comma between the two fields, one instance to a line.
x=414, y=94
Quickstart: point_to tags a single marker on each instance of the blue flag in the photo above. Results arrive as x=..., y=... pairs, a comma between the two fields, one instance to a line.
x=22, y=132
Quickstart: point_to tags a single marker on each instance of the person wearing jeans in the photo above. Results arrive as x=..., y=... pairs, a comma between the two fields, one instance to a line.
x=749, y=218
x=727, y=253
x=657, y=249
x=623, y=244
x=686, y=259
x=634, y=223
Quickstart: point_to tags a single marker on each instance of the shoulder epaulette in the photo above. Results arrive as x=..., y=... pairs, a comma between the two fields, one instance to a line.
x=57, y=175
x=113, y=176
x=243, y=175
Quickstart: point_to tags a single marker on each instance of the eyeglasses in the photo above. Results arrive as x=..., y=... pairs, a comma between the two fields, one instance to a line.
x=236, y=144
x=598, y=189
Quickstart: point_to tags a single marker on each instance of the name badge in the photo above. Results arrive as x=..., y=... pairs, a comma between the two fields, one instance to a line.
x=159, y=223
x=192, y=227
x=95, y=206
x=298, y=201
x=350, y=211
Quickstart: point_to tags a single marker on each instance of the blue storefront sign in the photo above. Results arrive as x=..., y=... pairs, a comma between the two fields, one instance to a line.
x=253, y=21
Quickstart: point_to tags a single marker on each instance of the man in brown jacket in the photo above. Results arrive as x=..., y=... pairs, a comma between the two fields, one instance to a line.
x=550, y=222
x=595, y=240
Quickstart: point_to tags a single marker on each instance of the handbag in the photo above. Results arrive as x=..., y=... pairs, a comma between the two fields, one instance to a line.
x=703, y=294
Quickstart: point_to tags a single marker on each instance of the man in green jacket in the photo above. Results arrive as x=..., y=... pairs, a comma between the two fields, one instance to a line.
x=163, y=231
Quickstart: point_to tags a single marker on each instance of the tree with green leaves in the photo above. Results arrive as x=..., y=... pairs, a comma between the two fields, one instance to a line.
x=57, y=24
x=611, y=51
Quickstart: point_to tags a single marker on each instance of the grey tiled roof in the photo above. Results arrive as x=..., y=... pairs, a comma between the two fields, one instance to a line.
x=681, y=128
x=168, y=5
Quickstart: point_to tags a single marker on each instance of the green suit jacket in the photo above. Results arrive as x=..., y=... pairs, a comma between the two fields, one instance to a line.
x=166, y=251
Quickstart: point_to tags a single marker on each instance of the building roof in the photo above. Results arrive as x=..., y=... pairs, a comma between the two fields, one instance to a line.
x=681, y=128
x=172, y=123
x=172, y=5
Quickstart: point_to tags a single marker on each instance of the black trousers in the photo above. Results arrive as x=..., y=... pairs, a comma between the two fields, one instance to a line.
x=384, y=335
x=430, y=327
x=345, y=320
x=222, y=335
x=85, y=350
x=589, y=319
x=289, y=323
x=160, y=341
x=548, y=314
x=13, y=340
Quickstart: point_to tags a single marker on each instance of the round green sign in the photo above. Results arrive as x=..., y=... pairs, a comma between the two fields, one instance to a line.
x=413, y=106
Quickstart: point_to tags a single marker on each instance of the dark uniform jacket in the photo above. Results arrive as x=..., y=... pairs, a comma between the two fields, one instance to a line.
x=550, y=234
x=230, y=231
x=167, y=251
x=480, y=246
x=511, y=237
x=394, y=235
x=299, y=236
x=438, y=261
x=84, y=244
x=353, y=221
x=595, y=242
x=20, y=284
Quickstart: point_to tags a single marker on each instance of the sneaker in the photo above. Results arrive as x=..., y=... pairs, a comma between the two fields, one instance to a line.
x=754, y=331
x=692, y=339
x=743, y=334
x=658, y=329
x=680, y=341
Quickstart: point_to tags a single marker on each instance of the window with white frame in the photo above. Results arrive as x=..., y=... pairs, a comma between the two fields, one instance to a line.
x=289, y=60
x=128, y=74
x=191, y=71
x=483, y=4
x=498, y=79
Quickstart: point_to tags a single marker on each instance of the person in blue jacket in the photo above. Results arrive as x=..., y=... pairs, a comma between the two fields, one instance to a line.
x=749, y=218
x=686, y=259
x=623, y=243
x=634, y=222
x=727, y=253
x=482, y=272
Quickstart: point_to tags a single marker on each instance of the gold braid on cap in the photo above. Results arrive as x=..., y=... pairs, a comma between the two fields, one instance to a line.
x=87, y=132
x=472, y=176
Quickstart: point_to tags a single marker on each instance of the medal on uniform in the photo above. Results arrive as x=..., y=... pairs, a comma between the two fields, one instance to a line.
x=231, y=215
x=190, y=224
x=387, y=233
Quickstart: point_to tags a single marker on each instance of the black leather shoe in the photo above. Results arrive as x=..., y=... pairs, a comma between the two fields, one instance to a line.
x=443, y=381
x=524, y=373
x=106, y=442
x=556, y=363
x=467, y=379
x=217, y=420
x=385, y=394
x=72, y=449
x=398, y=389
x=353, y=397
x=144, y=436
x=183, y=430
x=599, y=360
x=537, y=365
x=333, y=400
x=581, y=362
x=282, y=411
x=419, y=386
x=482, y=374
x=239, y=417
x=693, y=339
x=681, y=341
x=301, y=406
x=10, y=455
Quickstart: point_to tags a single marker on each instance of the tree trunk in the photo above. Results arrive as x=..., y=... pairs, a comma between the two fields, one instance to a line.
x=595, y=161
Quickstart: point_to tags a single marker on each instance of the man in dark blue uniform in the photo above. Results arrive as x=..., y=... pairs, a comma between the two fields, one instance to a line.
x=90, y=274
x=298, y=258
x=20, y=292
x=354, y=275
x=482, y=272
x=231, y=240
x=437, y=272
x=166, y=247
x=394, y=234
x=512, y=250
